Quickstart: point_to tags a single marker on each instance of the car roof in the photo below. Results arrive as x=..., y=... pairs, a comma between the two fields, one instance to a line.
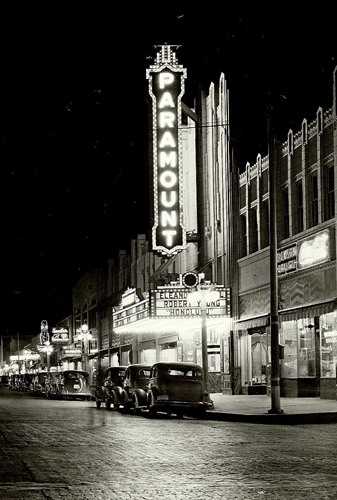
x=117, y=368
x=166, y=364
x=147, y=367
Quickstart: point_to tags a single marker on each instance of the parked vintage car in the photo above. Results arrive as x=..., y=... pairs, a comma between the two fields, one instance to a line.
x=177, y=388
x=73, y=384
x=27, y=382
x=39, y=383
x=53, y=386
x=134, y=395
x=111, y=390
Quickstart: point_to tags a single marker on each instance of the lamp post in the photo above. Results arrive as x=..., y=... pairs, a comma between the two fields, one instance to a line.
x=204, y=293
x=85, y=336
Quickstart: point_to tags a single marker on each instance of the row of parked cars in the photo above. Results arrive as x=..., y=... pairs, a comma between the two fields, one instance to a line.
x=69, y=384
x=163, y=387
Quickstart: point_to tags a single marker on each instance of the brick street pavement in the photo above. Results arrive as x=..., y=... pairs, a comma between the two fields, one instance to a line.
x=70, y=450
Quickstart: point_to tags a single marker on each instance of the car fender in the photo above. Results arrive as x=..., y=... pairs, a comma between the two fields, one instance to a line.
x=142, y=396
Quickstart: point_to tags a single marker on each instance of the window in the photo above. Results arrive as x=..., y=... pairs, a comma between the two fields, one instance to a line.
x=264, y=223
x=243, y=236
x=288, y=338
x=242, y=196
x=264, y=182
x=253, y=189
x=299, y=206
x=306, y=348
x=313, y=185
x=285, y=213
x=328, y=326
x=253, y=247
x=329, y=180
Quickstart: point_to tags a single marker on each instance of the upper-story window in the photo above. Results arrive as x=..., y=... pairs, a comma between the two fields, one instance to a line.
x=313, y=199
x=264, y=223
x=299, y=205
x=243, y=236
x=253, y=189
x=285, y=212
x=253, y=240
x=329, y=190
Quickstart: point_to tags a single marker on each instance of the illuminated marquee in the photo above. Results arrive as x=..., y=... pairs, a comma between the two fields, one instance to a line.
x=166, y=87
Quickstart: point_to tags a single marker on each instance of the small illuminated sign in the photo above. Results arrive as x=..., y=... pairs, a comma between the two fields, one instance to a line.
x=314, y=250
x=166, y=87
x=59, y=335
x=129, y=297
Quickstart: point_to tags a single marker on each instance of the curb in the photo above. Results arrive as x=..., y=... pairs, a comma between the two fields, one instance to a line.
x=270, y=419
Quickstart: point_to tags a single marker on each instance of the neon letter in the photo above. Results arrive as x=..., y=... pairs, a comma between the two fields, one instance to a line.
x=168, y=203
x=166, y=101
x=165, y=79
x=168, y=179
x=168, y=234
x=167, y=140
x=168, y=218
x=167, y=159
x=166, y=119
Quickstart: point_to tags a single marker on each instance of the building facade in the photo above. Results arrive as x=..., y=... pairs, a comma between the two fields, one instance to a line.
x=306, y=263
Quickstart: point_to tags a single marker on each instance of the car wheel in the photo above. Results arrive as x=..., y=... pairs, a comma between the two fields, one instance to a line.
x=98, y=404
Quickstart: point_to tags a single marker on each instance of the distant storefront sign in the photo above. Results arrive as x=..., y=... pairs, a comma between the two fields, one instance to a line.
x=71, y=352
x=130, y=314
x=60, y=335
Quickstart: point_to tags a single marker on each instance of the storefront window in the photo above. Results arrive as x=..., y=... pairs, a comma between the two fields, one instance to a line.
x=168, y=352
x=288, y=338
x=306, y=348
x=328, y=324
x=148, y=356
x=214, y=360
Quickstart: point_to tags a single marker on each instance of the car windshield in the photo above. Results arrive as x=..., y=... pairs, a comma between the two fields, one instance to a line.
x=144, y=373
x=73, y=375
x=186, y=372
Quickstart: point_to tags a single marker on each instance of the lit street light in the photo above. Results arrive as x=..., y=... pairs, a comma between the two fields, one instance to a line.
x=85, y=336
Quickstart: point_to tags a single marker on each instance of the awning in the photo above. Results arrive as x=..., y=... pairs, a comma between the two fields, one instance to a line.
x=245, y=324
x=308, y=311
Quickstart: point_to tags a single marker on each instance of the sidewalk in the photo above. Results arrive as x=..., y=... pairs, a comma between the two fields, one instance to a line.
x=254, y=409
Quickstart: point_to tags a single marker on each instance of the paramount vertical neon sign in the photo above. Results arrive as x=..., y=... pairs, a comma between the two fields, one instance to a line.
x=166, y=87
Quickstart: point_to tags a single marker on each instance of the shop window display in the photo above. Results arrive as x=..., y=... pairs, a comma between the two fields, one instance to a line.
x=328, y=327
x=306, y=348
x=288, y=338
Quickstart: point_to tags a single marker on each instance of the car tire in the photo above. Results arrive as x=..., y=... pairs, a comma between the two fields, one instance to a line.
x=98, y=404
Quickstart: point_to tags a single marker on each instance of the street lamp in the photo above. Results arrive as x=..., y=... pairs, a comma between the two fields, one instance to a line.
x=204, y=294
x=48, y=349
x=85, y=336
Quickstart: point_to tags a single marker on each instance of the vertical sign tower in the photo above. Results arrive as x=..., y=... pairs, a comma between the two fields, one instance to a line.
x=166, y=87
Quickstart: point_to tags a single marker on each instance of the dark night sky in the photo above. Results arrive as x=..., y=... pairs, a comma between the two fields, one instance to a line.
x=73, y=119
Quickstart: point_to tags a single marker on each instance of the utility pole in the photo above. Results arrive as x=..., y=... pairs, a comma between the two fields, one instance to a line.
x=274, y=334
